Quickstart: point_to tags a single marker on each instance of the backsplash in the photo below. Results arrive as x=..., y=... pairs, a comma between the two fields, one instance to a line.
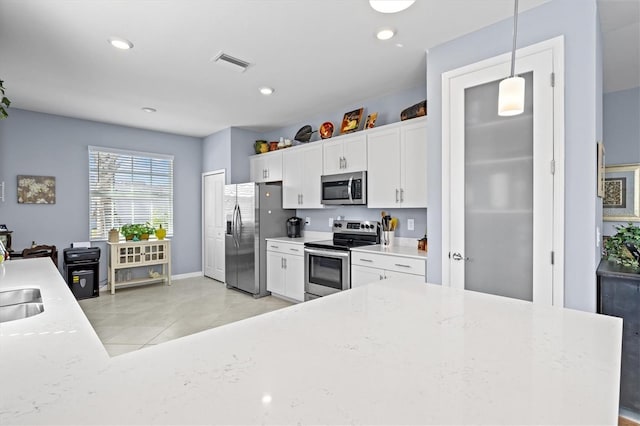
x=320, y=218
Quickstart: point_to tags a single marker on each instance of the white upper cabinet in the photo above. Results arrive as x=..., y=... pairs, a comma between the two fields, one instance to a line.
x=301, y=171
x=266, y=167
x=396, y=165
x=345, y=154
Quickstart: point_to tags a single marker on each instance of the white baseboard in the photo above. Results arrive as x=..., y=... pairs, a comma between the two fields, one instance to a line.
x=188, y=275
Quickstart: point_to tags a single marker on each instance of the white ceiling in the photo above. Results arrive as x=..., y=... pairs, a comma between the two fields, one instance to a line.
x=319, y=55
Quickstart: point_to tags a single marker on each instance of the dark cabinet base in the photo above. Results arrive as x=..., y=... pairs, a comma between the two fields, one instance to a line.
x=619, y=295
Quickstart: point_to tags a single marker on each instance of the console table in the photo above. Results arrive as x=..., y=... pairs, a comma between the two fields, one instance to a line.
x=135, y=254
x=619, y=295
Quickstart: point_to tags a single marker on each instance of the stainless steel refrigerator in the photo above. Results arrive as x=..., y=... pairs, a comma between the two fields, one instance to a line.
x=253, y=212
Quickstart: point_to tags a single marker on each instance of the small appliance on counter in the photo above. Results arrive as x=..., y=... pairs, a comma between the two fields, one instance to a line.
x=294, y=225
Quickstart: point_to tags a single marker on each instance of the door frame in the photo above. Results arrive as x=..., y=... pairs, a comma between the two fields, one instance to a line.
x=202, y=213
x=556, y=46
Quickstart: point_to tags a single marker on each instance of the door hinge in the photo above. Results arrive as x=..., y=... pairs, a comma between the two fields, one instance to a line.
x=552, y=258
x=553, y=167
x=553, y=79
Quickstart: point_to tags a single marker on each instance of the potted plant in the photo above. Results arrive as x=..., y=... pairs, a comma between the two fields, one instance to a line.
x=146, y=230
x=130, y=231
x=621, y=247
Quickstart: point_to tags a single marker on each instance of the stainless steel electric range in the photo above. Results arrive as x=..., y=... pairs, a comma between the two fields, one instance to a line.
x=327, y=264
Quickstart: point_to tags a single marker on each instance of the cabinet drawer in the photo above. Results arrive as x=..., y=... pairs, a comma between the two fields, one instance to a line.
x=391, y=263
x=294, y=249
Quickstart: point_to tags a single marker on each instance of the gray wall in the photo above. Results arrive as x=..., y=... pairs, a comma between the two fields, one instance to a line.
x=41, y=144
x=229, y=149
x=216, y=152
x=578, y=25
x=621, y=133
x=388, y=107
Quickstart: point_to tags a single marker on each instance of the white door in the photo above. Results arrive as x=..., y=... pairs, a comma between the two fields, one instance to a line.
x=500, y=189
x=213, y=225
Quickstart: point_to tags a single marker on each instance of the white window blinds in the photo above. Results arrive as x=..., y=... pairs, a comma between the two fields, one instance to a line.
x=129, y=187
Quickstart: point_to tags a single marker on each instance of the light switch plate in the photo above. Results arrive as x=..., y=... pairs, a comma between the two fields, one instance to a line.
x=410, y=224
x=307, y=221
x=330, y=222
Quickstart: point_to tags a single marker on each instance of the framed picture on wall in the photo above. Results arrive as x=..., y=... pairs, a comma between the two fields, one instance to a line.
x=621, y=201
x=601, y=170
x=36, y=189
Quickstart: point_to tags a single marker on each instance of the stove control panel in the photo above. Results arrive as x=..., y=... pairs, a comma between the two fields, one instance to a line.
x=356, y=227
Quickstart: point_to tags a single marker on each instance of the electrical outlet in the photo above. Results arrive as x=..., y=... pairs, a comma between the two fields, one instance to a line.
x=307, y=221
x=410, y=225
x=330, y=222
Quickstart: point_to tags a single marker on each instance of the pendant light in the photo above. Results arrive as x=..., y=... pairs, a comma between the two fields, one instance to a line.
x=511, y=90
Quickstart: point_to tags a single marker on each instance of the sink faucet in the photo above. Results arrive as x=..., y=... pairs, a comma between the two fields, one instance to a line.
x=3, y=252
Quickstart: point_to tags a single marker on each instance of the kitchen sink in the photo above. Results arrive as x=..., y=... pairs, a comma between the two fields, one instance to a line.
x=20, y=311
x=19, y=304
x=23, y=295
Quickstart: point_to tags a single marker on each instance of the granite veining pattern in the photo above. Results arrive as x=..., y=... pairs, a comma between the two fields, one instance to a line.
x=388, y=353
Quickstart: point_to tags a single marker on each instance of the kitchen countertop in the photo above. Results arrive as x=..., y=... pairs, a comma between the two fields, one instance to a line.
x=396, y=250
x=392, y=352
x=307, y=237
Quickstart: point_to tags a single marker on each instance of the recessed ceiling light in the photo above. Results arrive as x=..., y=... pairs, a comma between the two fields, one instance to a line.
x=120, y=43
x=149, y=109
x=266, y=90
x=390, y=6
x=385, y=33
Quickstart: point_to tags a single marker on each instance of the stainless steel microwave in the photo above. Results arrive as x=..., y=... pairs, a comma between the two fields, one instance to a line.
x=345, y=188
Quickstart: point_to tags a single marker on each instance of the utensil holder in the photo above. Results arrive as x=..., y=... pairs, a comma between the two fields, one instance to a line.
x=388, y=238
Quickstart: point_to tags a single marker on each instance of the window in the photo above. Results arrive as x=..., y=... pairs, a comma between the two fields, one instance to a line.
x=129, y=187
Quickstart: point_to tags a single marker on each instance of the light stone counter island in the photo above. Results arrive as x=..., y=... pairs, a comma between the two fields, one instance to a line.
x=386, y=353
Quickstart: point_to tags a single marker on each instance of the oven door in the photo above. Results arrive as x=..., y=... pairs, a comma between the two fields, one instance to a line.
x=326, y=271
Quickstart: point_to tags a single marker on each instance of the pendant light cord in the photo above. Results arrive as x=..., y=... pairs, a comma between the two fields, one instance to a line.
x=515, y=33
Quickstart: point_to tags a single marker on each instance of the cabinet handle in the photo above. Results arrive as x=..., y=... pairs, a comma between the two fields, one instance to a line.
x=345, y=162
x=285, y=262
x=381, y=277
x=275, y=247
x=267, y=172
x=397, y=195
x=292, y=249
x=403, y=266
x=401, y=195
x=282, y=263
x=301, y=199
x=366, y=260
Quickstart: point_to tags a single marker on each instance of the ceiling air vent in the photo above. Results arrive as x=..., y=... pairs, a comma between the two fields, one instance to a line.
x=230, y=62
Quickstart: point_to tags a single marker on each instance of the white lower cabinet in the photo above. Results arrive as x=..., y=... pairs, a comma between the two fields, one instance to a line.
x=367, y=268
x=285, y=270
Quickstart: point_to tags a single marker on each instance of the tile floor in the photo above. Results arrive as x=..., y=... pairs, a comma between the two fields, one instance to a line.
x=136, y=317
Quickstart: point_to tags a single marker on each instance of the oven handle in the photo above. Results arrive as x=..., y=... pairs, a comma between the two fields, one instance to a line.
x=327, y=253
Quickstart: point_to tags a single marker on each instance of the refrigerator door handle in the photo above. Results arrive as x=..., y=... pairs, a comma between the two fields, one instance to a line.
x=234, y=225
x=238, y=226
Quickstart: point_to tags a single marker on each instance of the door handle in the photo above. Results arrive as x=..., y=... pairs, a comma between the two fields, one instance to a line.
x=401, y=195
x=458, y=256
x=366, y=260
x=301, y=199
x=400, y=265
x=397, y=195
